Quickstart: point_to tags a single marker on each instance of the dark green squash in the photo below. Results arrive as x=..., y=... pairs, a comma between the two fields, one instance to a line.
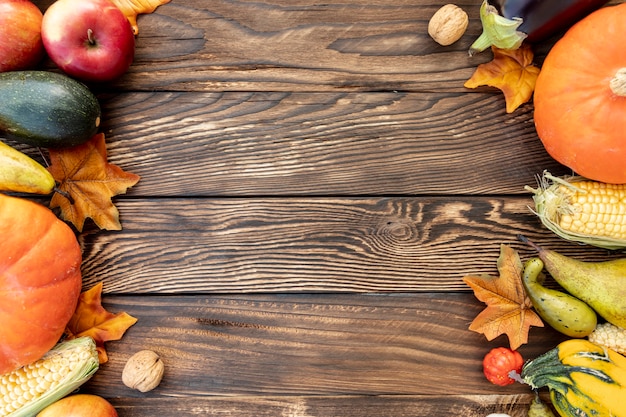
x=47, y=109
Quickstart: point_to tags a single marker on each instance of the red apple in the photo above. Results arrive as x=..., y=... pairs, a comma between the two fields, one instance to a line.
x=20, y=35
x=79, y=405
x=90, y=40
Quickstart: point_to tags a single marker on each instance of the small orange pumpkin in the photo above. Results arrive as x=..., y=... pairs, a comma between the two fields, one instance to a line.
x=580, y=97
x=40, y=280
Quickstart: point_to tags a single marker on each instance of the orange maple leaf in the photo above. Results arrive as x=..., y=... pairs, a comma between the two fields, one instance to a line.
x=509, y=310
x=91, y=319
x=511, y=71
x=87, y=182
x=132, y=8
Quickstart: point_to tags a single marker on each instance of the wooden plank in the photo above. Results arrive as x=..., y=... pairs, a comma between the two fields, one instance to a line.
x=303, y=245
x=328, y=406
x=286, y=144
x=298, y=46
x=309, y=344
x=238, y=144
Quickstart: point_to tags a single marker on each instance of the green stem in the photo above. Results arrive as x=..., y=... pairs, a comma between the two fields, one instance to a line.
x=498, y=31
x=547, y=370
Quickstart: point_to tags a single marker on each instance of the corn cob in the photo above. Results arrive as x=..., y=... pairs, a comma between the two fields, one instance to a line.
x=610, y=336
x=581, y=210
x=26, y=391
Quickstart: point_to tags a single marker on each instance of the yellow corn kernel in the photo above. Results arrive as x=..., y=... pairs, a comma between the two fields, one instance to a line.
x=29, y=389
x=596, y=202
x=582, y=210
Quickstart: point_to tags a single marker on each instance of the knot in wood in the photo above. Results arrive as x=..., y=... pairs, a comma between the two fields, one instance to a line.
x=399, y=230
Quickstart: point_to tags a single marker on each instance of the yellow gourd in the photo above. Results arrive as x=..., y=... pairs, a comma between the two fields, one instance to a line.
x=584, y=379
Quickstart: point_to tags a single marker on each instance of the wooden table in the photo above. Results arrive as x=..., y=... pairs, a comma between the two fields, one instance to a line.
x=315, y=183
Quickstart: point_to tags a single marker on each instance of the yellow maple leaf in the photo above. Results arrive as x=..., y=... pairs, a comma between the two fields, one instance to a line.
x=86, y=183
x=509, y=310
x=93, y=320
x=511, y=71
x=132, y=8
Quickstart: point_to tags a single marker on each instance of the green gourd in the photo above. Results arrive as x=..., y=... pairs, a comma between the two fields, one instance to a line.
x=560, y=310
x=47, y=109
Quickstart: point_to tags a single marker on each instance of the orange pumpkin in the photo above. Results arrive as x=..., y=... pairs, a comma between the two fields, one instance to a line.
x=40, y=280
x=580, y=97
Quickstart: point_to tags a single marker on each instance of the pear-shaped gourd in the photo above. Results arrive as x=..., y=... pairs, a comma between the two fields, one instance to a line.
x=602, y=285
x=562, y=311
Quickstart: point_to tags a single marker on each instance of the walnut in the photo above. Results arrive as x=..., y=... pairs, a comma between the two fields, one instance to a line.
x=143, y=371
x=448, y=24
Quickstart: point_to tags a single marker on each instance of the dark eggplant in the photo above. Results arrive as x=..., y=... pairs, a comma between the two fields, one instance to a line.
x=507, y=23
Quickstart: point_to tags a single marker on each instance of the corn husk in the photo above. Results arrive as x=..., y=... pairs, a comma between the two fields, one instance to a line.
x=551, y=203
x=79, y=371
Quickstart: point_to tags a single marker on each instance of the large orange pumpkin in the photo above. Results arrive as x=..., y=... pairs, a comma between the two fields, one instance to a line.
x=40, y=280
x=580, y=97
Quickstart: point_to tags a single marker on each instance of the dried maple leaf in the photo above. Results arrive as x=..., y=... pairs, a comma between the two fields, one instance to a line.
x=132, y=8
x=87, y=182
x=91, y=319
x=509, y=310
x=511, y=71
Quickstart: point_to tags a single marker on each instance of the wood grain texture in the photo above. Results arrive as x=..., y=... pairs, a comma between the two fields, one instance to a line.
x=317, y=144
x=329, y=406
x=309, y=344
x=310, y=245
x=238, y=144
x=298, y=46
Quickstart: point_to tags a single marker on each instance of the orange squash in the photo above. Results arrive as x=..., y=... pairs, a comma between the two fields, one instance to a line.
x=580, y=97
x=40, y=280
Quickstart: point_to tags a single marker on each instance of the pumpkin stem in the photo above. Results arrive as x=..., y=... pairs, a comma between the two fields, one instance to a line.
x=618, y=83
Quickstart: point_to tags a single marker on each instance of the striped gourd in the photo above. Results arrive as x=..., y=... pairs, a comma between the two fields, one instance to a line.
x=582, y=210
x=584, y=379
x=28, y=390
